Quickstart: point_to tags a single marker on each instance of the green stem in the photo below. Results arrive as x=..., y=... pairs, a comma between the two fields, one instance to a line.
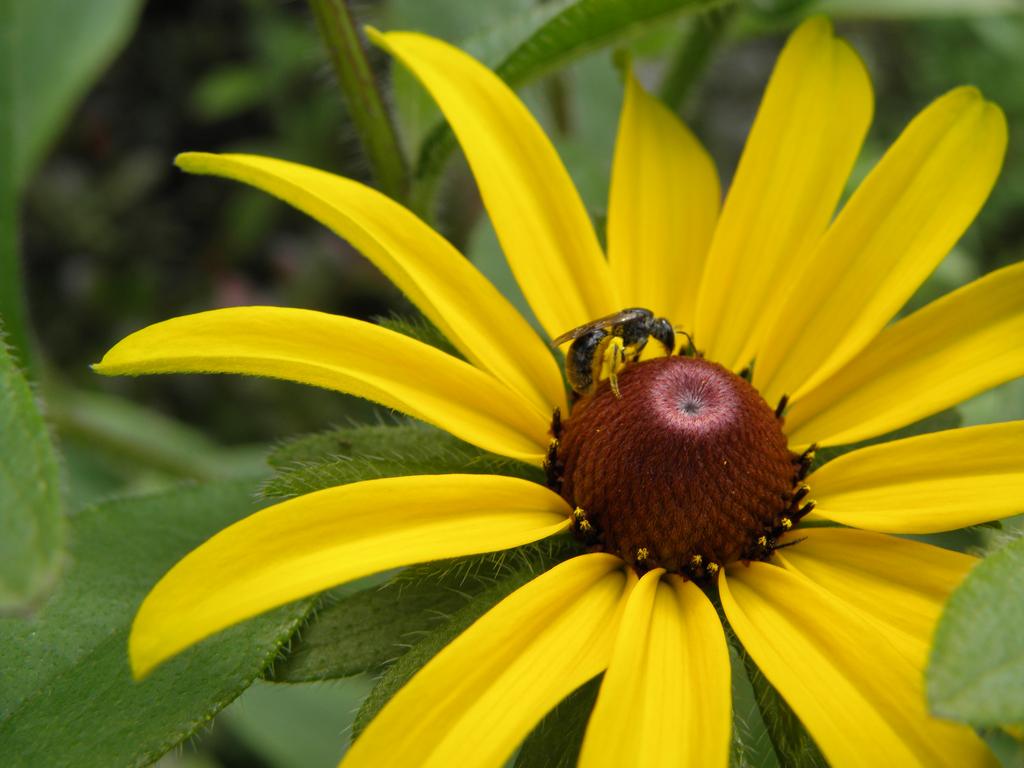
x=362, y=95
x=702, y=36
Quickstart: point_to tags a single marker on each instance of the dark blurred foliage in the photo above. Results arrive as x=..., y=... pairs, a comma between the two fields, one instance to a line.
x=116, y=238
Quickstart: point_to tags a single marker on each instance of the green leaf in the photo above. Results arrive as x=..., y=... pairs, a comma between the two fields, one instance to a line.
x=58, y=48
x=13, y=314
x=293, y=726
x=31, y=511
x=145, y=440
x=751, y=744
x=113, y=447
x=66, y=693
x=369, y=629
x=515, y=568
x=228, y=91
x=558, y=738
x=50, y=52
x=363, y=632
x=494, y=42
x=363, y=440
x=587, y=26
x=793, y=746
x=580, y=28
x=419, y=328
x=1008, y=750
x=914, y=9
x=349, y=455
x=976, y=668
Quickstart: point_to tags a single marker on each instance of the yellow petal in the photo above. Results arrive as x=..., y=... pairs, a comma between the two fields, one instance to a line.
x=477, y=699
x=666, y=697
x=901, y=585
x=925, y=484
x=662, y=208
x=344, y=354
x=323, y=539
x=897, y=227
x=861, y=698
x=446, y=287
x=958, y=346
x=539, y=218
x=801, y=148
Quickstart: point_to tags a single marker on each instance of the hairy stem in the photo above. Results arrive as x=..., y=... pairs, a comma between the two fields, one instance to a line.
x=362, y=95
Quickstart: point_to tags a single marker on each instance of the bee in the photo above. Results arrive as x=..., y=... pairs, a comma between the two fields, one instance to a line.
x=602, y=347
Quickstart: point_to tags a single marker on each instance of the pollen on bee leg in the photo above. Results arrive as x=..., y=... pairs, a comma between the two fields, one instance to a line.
x=613, y=362
x=786, y=523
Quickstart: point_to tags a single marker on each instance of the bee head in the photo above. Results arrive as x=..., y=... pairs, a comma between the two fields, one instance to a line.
x=662, y=330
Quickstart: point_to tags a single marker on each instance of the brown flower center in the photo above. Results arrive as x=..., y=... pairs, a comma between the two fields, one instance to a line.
x=687, y=471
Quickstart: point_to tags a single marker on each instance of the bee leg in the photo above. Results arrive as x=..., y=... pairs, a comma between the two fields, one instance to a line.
x=614, y=360
x=636, y=350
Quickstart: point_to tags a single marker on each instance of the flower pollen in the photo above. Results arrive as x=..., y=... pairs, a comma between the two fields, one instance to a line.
x=688, y=470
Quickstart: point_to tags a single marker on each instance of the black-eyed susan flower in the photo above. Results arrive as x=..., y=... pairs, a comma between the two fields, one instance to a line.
x=687, y=484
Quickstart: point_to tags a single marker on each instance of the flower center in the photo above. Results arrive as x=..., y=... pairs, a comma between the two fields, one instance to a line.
x=688, y=470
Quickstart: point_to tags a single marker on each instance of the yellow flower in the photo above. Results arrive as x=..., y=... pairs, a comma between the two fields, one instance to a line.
x=840, y=621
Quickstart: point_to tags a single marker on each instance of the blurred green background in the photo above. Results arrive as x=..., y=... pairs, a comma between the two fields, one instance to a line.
x=113, y=237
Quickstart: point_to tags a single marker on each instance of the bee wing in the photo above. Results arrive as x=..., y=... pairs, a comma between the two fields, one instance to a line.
x=602, y=322
x=575, y=333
